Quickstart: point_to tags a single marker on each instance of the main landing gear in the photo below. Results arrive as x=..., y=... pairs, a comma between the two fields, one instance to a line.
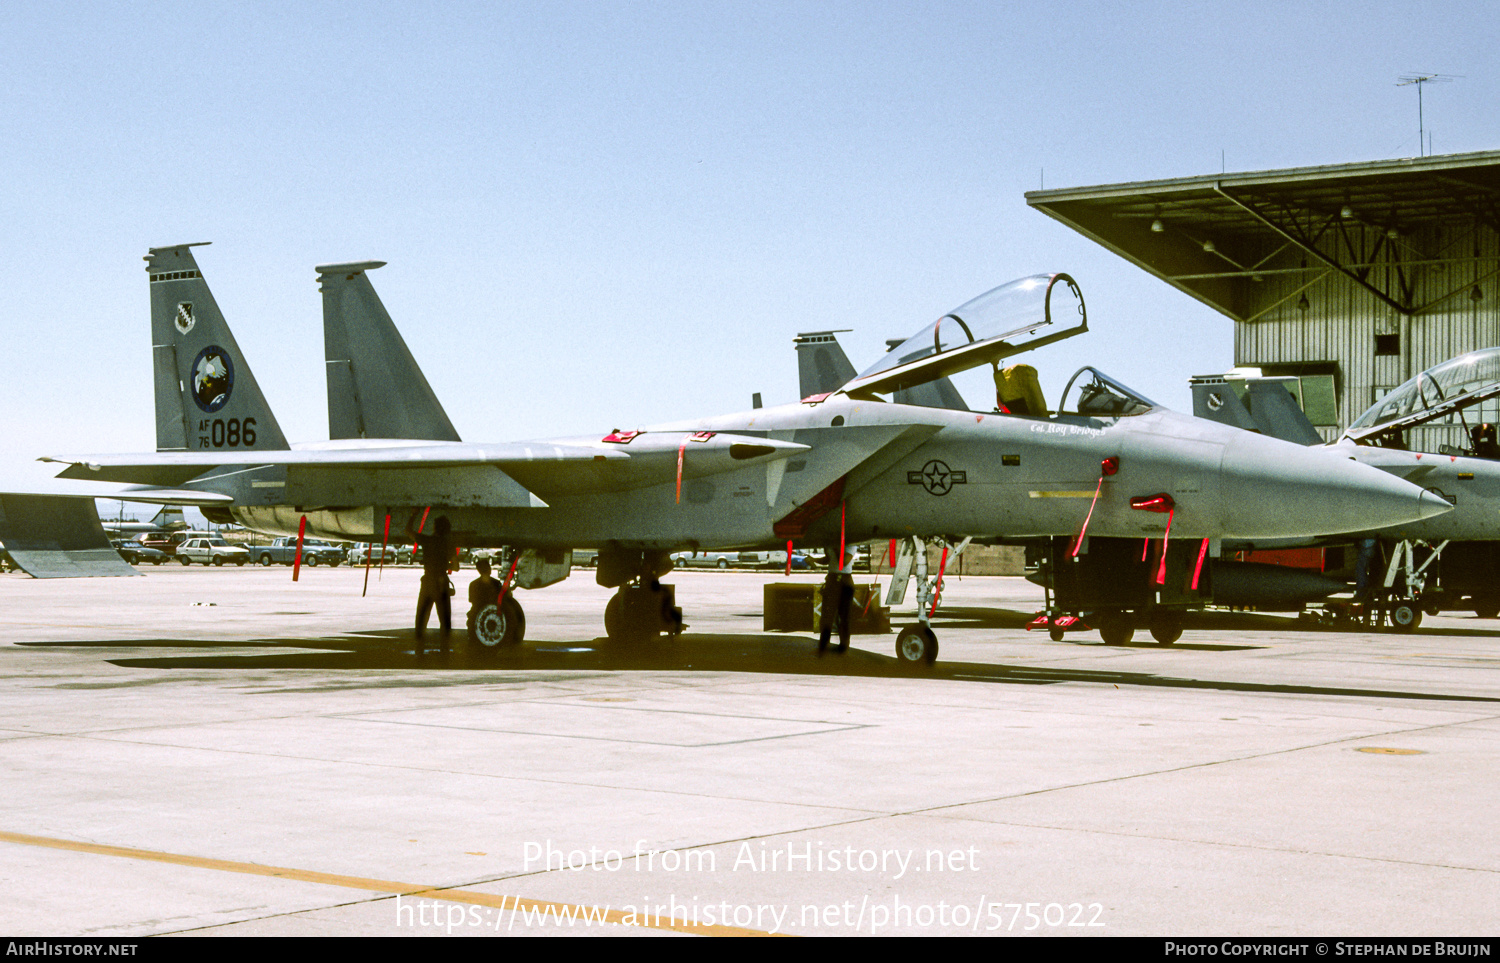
x=495, y=628
x=501, y=624
x=642, y=608
x=636, y=613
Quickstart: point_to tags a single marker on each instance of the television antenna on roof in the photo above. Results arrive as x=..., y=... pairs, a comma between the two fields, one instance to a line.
x=1419, y=80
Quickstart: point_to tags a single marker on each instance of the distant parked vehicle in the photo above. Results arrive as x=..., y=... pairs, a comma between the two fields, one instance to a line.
x=211, y=550
x=283, y=551
x=135, y=553
x=362, y=552
x=777, y=559
x=719, y=560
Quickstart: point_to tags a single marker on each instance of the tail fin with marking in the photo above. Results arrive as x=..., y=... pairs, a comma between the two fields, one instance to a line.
x=206, y=396
x=375, y=388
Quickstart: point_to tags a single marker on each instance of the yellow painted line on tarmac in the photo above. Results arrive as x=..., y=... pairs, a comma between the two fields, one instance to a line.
x=538, y=910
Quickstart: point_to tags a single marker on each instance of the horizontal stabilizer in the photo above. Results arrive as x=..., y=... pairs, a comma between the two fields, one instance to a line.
x=57, y=537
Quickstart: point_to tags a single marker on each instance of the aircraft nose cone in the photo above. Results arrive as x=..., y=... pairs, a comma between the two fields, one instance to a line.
x=1275, y=489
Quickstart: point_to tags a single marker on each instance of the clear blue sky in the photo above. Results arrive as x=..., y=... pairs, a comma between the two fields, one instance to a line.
x=614, y=214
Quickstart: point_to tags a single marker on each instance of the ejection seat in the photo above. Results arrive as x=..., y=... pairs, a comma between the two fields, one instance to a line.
x=1018, y=392
x=1485, y=444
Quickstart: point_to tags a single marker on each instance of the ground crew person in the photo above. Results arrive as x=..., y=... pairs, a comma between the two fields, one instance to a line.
x=437, y=561
x=837, y=596
x=483, y=591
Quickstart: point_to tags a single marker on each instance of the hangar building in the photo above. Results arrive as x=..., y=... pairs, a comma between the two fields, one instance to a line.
x=1353, y=277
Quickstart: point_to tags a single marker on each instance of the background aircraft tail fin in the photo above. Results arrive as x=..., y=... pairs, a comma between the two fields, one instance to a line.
x=1254, y=404
x=170, y=518
x=375, y=388
x=822, y=366
x=206, y=396
x=1277, y=413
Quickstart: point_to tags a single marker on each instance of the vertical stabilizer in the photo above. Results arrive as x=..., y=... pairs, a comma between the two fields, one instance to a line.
x=822, y=366
x=170, y=518
x=375, y=388
x=1217, y=400
x=1266, y=405
x=206, y=397
x=1276, y=411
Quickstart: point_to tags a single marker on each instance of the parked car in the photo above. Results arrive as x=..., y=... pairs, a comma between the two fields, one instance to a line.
x=777, y=559
x=361, y=552
x=135, y=553
x=160, y=541
x=211, y=550
x=719, y=560
x=283, y=551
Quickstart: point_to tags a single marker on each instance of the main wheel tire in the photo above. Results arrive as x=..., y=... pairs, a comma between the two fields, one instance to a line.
x=184, y=560
x=723, y=563
x=219, y=561
x=1405, y=617
x=1115, y=627
x=265, y=559
x=1166, y=626
x=493, y=629
x=621, y=624
x=1055, y=633
x=916, y=646
x=312, y=561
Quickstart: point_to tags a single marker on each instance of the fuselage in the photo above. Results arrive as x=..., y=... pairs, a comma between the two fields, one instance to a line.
x=881, y=470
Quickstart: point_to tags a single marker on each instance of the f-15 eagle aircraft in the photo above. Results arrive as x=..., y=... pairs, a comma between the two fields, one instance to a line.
x=1437, y=430
x=849, y=467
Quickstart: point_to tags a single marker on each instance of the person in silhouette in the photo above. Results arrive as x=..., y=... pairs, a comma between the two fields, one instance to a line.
x=437, y=562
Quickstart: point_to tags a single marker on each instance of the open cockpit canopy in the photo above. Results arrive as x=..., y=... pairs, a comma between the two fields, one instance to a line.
x=1092, y=393
x=1438, y=395
x=978, y=332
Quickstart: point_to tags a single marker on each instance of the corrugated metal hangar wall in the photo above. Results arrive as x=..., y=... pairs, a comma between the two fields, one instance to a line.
x=1364, y=274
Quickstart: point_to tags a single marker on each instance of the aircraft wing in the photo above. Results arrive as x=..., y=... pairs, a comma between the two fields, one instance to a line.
x=418, y=473
x=175, y=468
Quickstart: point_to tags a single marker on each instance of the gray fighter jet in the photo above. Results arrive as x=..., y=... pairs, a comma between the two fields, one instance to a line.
x=851, y=467
x=1437, y=430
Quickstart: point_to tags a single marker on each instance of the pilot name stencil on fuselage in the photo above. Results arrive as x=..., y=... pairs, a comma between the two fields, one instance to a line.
x=1068, y=430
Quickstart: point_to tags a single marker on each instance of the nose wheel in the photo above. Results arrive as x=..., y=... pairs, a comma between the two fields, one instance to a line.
x=917, y=646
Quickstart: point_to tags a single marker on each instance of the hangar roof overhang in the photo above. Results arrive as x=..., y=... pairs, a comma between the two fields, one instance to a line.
x=1215, y=237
